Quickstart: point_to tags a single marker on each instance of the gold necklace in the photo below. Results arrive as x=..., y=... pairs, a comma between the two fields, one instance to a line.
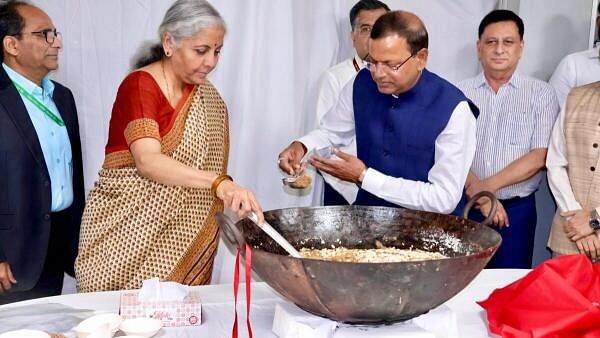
x=166, y=82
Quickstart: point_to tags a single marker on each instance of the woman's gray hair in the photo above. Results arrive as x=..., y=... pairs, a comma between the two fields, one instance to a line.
x=183, y=20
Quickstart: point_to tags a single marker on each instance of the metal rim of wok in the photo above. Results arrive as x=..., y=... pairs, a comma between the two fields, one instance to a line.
x=366, y=293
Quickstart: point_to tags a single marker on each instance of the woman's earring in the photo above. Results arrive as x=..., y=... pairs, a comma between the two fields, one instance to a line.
x=168, y=53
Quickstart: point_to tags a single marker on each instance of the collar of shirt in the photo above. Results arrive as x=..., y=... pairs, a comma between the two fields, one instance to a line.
x=361, y=63
x=46, y=90
x=593, y=53
x=515, y=81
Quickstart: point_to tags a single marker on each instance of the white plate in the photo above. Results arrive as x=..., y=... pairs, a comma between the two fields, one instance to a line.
x=25, y=334
x=103, y=323
x=145, y=327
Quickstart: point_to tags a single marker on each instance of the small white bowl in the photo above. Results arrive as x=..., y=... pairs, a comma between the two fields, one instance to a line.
x=25, y=334
x=107, y=323
x=101, y=334
x=144, y=327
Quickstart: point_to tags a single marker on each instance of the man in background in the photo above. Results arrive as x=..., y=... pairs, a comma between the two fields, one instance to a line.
x=362, y=17
x=41, y=175
x=513, y=129
x=577, y=69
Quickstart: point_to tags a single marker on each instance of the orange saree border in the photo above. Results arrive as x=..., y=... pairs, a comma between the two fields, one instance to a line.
x=149, y=128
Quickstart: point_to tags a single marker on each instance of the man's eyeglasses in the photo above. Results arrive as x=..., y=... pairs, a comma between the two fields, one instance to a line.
x=49, y=34
x=372, y=66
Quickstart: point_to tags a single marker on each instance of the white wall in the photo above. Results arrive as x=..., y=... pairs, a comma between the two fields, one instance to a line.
x=553, y=29
x=274, y=52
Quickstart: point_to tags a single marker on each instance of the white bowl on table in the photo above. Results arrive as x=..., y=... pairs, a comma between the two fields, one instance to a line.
x=144, y=327
x=98, y=325
x=25, y=334
x=101, y=334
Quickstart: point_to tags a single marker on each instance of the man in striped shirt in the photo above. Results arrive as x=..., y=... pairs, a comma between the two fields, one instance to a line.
x=513, y=130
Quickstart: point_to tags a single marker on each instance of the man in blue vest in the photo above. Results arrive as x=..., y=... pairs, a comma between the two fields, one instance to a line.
x=415, y=132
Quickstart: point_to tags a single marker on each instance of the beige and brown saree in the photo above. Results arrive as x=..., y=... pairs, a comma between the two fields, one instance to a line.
x=134, y=228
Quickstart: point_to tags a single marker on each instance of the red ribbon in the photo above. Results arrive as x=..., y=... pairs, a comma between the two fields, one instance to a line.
x=236, y=284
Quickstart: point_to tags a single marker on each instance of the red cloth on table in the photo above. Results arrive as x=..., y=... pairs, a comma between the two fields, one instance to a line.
x=558, y=299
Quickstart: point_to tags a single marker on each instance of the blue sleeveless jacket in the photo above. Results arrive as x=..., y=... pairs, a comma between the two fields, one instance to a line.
x=396, y=136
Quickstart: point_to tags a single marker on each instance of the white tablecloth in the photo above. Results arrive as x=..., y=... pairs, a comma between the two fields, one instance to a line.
x=217, y=307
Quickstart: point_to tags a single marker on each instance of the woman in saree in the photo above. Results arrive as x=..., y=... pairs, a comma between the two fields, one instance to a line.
x=151, y=213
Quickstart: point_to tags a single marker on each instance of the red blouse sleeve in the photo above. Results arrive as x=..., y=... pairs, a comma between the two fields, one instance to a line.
x=136, y=112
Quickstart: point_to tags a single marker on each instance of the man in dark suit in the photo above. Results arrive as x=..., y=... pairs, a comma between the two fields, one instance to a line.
x=41, y=176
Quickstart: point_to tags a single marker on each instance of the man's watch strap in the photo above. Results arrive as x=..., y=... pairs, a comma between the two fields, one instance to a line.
x=594, y=220
x=362, y=177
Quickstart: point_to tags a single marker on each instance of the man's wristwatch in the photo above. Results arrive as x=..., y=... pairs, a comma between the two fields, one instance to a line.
x=362, y=177
x=594, y=220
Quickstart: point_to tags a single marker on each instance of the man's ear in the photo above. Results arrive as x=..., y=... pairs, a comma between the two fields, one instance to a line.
x=10, y=45
x=479, y=47
x=353, y=36
x=422, y=56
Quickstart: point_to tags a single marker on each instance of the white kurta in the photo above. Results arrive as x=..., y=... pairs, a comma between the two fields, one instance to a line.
x=332, y=82
x=575, y=70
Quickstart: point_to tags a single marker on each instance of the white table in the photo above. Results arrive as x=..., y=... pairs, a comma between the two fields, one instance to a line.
x=217, y=306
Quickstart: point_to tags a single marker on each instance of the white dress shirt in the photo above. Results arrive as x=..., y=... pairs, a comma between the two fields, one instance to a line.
x=332, y=82
x=557, y=164
x=575, y=70
x=454, y=151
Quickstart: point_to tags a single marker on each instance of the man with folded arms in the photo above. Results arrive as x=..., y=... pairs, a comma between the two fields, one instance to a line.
x=573, y=167
x=517, y=113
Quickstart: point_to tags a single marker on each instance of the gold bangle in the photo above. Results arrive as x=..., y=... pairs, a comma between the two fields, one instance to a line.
x=215, y=184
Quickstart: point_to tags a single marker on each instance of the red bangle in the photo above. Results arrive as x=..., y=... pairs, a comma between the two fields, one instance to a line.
x=215, y=184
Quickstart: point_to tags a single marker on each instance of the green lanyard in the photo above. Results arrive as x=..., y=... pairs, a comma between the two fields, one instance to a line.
x=40, y=105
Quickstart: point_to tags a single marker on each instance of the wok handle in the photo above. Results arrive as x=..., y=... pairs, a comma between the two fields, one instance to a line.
x=228, y=227
x=475, y=198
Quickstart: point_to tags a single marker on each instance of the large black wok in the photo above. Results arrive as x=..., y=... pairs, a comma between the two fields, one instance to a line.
x=366, y=292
